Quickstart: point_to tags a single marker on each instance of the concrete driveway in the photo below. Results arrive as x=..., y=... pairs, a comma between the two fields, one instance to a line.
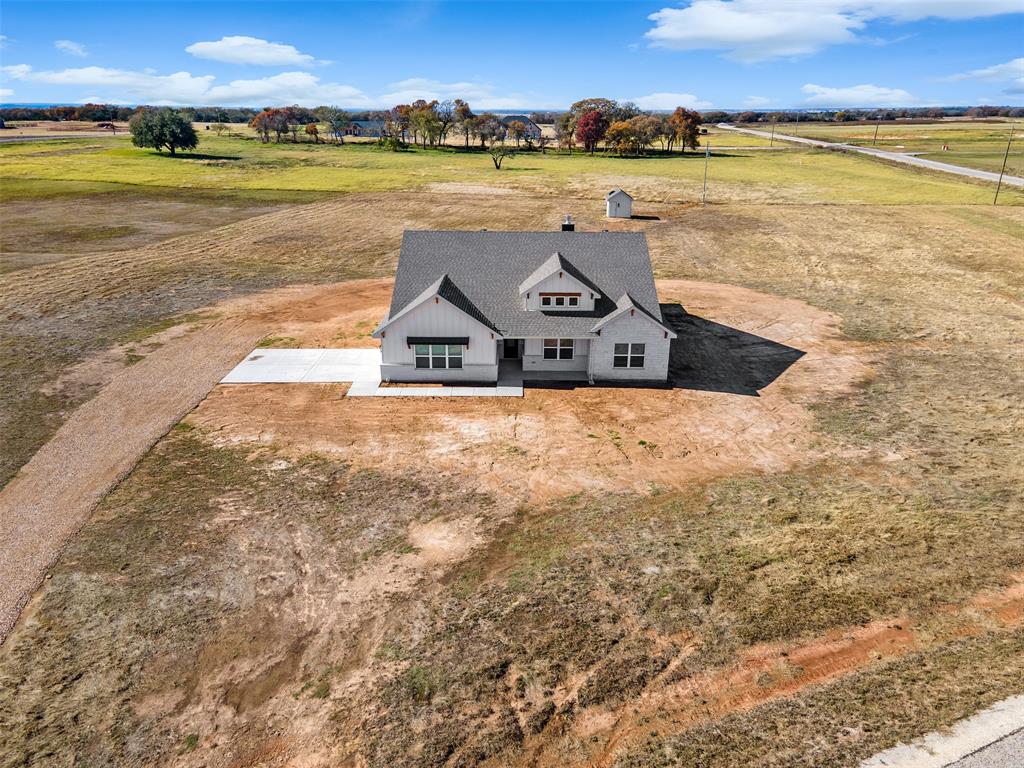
x=307, y=366
x=361, y=367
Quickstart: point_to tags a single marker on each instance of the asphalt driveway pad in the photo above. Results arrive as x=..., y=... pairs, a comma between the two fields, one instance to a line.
x=311, y=366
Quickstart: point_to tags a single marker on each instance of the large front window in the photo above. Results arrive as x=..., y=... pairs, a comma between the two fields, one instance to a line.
x=629, y=356
x=438, y=355
x=558, y=349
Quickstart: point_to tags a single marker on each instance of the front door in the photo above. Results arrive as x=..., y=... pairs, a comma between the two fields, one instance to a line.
x=511, y=349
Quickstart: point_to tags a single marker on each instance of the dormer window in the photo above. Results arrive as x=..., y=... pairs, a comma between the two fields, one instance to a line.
x=559, y=300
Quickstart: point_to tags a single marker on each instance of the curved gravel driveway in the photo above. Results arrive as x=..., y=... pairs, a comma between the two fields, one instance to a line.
x=54, y=493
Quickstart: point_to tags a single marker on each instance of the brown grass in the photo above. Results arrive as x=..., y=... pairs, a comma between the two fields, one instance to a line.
x=284, y=606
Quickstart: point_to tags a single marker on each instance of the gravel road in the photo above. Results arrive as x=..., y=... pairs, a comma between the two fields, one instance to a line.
x=896, y=157
x=54, y=493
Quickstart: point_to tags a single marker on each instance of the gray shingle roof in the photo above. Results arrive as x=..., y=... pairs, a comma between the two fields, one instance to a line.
x=554, y=263
x=488, y=267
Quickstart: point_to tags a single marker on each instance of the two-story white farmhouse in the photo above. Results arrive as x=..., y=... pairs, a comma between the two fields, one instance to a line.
x=578, y=304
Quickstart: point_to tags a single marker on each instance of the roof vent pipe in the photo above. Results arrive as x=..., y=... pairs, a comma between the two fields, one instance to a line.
x=567, y=225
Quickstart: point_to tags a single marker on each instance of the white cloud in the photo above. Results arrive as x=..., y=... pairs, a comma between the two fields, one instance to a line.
x=241, y=49
x=479, y=95
x=3, y=41
x=183, y=88
x=755, y=30
x=756, y=101
x=663, y=101
x=1011, y=72
x=6, y=92
x=857, y=96
x=71, y=48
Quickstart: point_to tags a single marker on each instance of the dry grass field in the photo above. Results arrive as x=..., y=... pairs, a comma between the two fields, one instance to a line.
x=786, y=560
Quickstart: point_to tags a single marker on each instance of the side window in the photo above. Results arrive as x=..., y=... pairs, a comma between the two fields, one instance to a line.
x=574, y=301
x=545, y=301
x=559, y=301
x=550, y=349
x=629, y=355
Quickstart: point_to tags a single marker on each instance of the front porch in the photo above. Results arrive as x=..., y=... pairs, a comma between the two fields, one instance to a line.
x=511, y=370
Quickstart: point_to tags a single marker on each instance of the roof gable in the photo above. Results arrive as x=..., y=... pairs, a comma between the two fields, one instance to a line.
x=445, y=288
x=626, y=304
x=618, y=191
x=557, y=263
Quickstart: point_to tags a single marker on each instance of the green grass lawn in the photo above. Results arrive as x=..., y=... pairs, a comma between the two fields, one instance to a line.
x=232, y=165
x=971, y=144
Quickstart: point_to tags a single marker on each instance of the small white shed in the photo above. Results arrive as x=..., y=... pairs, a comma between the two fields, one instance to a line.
x=620, y=204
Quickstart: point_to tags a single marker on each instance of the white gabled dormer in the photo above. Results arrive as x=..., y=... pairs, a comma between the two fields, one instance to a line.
x=557, y=286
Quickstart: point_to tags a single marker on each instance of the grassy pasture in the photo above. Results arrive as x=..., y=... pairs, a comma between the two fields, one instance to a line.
x=915, y=505
x=971, y=144
x=244, y=166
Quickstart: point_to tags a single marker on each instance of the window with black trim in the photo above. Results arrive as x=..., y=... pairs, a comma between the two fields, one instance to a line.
x=438, y=355
x=558, y=349
x=574, y=301
x=629, y=355
x=545, y=301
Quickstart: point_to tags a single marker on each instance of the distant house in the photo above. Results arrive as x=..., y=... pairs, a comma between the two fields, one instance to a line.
x=532, y=129
x=371, y=128
x=619, y=204
x=479, y=306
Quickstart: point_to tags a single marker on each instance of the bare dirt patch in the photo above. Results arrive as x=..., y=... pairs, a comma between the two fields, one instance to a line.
x=718, y=420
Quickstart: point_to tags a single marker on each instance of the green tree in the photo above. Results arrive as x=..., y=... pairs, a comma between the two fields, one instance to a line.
x=163, y=128
x=499, y=152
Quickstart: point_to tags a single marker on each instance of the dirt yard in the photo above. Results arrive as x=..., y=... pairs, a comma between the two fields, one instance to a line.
x=746, y=369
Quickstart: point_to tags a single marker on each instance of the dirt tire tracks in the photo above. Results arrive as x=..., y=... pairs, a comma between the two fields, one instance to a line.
x=55, y=492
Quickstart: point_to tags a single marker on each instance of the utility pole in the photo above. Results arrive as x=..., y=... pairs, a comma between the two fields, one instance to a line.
x=1002, y=170
x=875, y=138
x=704, y=192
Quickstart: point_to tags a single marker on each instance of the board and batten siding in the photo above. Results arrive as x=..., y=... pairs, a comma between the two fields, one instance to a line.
x=630, y=329
x=533, y=357
x=564, y=284
x=440, y=319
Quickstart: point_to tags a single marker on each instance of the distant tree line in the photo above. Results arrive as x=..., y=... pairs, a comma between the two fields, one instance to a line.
x=429, y=114
x=120, y=113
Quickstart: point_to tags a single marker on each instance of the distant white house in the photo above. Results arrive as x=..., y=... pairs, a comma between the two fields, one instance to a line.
x=532, y=130
x=619, y=203
x=471, y=306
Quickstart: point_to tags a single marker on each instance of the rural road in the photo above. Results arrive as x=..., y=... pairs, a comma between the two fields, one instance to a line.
x=993, y=738
x=55, y=492
x=896, y=157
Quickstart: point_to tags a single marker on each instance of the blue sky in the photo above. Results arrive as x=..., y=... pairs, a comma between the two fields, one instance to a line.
x=513, y=54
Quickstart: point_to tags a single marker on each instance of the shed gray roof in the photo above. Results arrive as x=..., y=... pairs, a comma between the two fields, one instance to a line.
x=487, y=268
x=619, y=190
